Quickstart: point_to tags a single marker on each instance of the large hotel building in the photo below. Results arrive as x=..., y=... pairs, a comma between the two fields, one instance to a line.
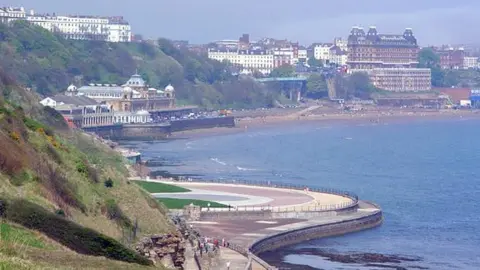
x=111, y=29
x=389, y=60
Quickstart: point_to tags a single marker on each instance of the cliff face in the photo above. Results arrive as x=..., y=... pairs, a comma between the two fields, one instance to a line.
x=53, y=181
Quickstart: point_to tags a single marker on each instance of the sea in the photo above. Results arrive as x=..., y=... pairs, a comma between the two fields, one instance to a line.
x=425, y=174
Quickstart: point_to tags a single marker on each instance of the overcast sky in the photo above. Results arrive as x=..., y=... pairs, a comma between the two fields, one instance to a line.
x=306, y=21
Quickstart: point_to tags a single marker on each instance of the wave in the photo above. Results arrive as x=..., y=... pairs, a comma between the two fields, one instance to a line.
x=218, y=161
x=245, y=169
x=188, y=145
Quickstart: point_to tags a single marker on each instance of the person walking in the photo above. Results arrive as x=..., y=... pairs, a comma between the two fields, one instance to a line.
x=228, y=265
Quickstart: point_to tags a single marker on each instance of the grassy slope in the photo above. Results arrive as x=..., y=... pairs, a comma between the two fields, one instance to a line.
x=66, y=171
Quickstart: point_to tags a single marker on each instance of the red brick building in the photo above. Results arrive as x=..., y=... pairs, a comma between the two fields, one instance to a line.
x=450, y=58
x=373, y=50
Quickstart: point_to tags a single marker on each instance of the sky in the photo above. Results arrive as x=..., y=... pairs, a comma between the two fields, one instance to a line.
x=434, y=22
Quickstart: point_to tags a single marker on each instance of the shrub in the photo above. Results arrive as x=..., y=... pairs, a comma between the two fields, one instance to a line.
x=92, y=174
x=11, y=159
x=80, y=239
x=81, y=167
x=34, y=126
x=15, y=136
x=88, y=171
x=60, y=212
x=5, y=111
x=108, y=183
x=41, y=131
x=21, y=178
x=52, y=153
x=114, y=212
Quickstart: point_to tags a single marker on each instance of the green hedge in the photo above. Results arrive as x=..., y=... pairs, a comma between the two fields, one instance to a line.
x=80, y=239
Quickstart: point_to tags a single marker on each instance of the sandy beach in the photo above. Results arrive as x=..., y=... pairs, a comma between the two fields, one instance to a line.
x=261, y=119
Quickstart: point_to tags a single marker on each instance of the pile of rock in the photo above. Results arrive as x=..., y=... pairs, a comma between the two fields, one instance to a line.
x=169, y=249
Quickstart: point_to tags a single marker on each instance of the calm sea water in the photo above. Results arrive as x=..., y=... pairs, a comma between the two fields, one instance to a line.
x=425, y=176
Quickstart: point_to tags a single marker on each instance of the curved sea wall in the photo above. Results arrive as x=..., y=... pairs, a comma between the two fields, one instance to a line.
x=272, y=242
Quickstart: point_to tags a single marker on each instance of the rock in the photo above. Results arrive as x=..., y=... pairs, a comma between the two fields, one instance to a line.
x=169, y=249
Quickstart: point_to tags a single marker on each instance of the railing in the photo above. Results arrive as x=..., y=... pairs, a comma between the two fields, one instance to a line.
x=269, y=184
x=283, y=209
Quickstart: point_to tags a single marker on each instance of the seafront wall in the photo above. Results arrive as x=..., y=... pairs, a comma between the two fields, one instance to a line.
x=349, y=217
x=158, y=131
x=189, y=124
x=282, y=212
x=299, y=235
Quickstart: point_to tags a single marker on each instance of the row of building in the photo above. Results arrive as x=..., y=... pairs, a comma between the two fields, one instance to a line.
x=455, y=58
x=389, y=60
x=77, y=27
x=97, y=105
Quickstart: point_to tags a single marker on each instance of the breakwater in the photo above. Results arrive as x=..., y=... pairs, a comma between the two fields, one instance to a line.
x=302, y=234
x=158, y=130
x=312, y=221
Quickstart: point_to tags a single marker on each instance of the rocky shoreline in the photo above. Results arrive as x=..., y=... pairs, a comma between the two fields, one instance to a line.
x=397, y=262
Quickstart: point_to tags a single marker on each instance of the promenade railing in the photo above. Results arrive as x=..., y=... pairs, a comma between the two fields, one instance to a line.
x=318, y=207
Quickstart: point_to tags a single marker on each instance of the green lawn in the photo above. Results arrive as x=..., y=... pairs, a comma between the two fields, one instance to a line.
x=155, y=187
x=172, y=203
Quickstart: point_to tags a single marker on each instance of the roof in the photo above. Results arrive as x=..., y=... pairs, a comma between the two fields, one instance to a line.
x=337, y=50
x=136, y=81
x=74, y=100
x=102, y=89
x=455, y=94
x=359, y=37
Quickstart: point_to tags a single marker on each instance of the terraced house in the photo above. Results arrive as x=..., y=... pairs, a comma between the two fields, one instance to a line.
x=78, y=27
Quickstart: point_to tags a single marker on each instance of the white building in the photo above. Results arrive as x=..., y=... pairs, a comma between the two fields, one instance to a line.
x=322, y=51
x=111, y=29
x=341, y=43
x=248, y=60
x=9, y=14
x=470, y=62
x=399, y=79
x=337, y=56
x=230, y=44
x=302, y=55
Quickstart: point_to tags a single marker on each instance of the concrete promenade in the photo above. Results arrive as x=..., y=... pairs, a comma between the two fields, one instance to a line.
x=242, y=232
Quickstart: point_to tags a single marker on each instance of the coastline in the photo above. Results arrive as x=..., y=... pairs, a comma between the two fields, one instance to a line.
x=454, y=116
x=373, y=117
x=262, y=232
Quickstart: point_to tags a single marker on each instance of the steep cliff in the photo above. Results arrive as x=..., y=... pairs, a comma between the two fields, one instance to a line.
x=55, y=203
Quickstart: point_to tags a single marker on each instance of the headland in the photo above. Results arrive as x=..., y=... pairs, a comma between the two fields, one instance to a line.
x=264, y=216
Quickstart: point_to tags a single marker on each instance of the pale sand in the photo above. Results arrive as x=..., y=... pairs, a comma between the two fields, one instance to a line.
x=322, y=116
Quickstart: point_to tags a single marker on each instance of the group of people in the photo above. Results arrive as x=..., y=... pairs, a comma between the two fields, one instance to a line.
x=206, y=244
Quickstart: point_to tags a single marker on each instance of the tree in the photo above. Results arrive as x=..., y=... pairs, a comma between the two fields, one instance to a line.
x=360, y=85
x=316, y=86
x=313, y=62
x=427, y=58
x=285, y=70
